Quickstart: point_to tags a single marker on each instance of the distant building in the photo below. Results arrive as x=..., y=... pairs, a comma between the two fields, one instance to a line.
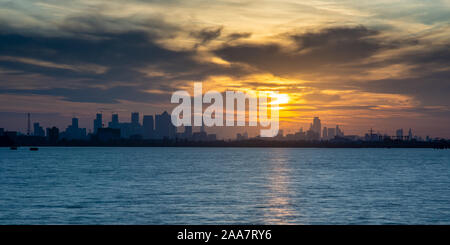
x=114, y=121
x=399, y=134
x=339, y=132
x=135, y=128
x=135, y=118
x=200, y=136
x=312, y=135
x=164, y=127
x=126, y=130
x=316, y=126
x=53, y=134
x=371, y=136
x=98, y=122
x=2, y=131
x=73, y=132
x=148, y=127
x=108, y=134
x=211, y=137
x=324, y=133
x=331, y=133
x=38, y=130
x=300, y=135
x=315, y=129
x=11, y=134
x=280, y=135
x=410, y=135
x=290, y=137
x=352, y=137
x=75, y=122
x=131, y=129
x=187, y=132
x=243, y=136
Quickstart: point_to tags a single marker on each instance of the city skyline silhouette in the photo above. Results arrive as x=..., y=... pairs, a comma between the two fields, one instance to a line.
x=160, y=126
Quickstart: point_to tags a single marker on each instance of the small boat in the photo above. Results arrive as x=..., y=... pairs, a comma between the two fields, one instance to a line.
x=34, y=148
x=13, y=148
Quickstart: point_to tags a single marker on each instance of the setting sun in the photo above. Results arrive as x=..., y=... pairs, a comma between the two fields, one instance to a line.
x=280, y=99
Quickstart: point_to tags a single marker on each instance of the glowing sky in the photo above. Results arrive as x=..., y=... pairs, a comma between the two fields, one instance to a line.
x=359, y=64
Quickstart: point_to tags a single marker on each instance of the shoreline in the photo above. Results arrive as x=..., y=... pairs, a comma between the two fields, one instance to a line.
x=444, y=144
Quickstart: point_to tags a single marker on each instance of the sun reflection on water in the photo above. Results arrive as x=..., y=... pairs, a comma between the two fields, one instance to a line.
x=279, y=207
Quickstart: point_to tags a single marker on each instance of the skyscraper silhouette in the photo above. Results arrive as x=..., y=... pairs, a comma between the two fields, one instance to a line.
x=316, y=126
x=98, y=123
x=399, y=134
x=114, y=121
x=134, y=127
x=53, y=134
x=135, y=118
x=38, y=130
x=148, y=126
x=339, y=132
x=74, y=122
x=73, y=131
x=164, y=127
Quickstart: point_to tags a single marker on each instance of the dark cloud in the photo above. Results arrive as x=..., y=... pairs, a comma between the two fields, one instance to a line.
x=321, y=97
x=438, y=56
x=206, y=35
x=315, y=107
x=122, y=57
x=94, y=25
x=93, y=55
x=337, y=37
x=430, y=89
x=316, y=52
x=96, y=95
x=427, y=80
x=122, y=53
x=238, y=35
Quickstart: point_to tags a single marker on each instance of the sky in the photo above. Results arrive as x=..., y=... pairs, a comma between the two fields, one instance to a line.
x=360, y=64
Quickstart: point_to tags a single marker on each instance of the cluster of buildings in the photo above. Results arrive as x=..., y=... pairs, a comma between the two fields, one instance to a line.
x=399, y=135
x=152, y=127
x=314, y=133
x=160, y=126
x=156, y=127
x=318, y=133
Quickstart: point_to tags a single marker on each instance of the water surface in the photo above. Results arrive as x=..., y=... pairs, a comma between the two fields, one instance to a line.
x=58, y=185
